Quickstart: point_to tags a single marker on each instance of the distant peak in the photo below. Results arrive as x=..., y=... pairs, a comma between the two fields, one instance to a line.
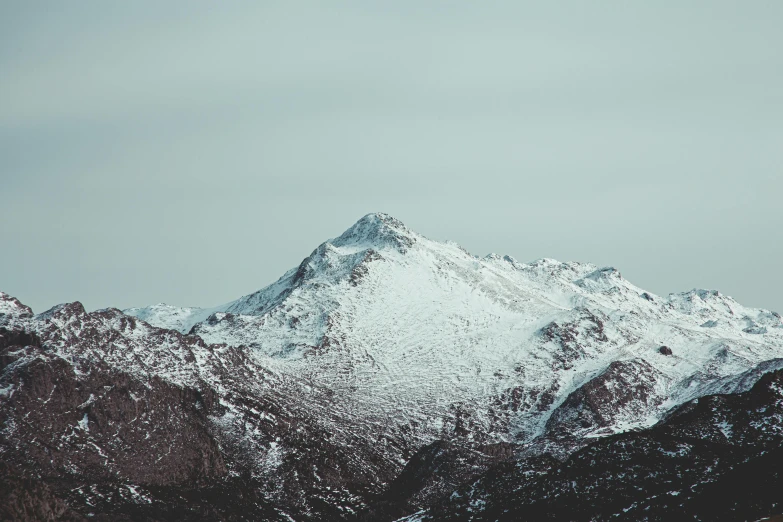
x=63, y=310
x=10, y=305
x=378, y=230
x=499, y=258
x=377, y=221
x=382, y=216
x=545, y=261
x=604, y=273
x=702, y=294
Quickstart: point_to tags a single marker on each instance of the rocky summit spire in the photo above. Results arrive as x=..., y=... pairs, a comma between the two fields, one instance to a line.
x=378, y=230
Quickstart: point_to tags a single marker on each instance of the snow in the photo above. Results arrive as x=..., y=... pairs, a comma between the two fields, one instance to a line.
x=7, y=391
x=726, y=428
x=170, y=317
x=137, y=496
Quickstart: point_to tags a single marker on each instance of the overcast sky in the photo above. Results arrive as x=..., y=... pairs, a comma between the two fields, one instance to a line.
x=191, y=152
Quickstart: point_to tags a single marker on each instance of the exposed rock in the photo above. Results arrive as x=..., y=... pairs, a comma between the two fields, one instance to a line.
x=626, y=393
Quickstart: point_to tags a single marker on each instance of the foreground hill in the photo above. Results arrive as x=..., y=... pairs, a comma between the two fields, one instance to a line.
x=715, y=458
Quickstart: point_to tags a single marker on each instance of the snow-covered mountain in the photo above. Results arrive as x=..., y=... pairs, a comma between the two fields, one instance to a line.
x=374, y=379
x=394, y=322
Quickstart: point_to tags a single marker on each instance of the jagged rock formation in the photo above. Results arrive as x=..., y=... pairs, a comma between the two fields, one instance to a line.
x=371, y=381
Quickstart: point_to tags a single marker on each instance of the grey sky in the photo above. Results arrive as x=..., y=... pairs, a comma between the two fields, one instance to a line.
x=192, y=152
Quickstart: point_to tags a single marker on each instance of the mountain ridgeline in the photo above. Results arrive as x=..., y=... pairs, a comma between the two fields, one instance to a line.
x=392, y=377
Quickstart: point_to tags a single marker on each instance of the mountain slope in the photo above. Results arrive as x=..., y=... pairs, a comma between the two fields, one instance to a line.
x=394, y=322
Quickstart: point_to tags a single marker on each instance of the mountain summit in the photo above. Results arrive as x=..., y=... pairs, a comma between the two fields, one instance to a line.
x=377, y=230
x=393, y=321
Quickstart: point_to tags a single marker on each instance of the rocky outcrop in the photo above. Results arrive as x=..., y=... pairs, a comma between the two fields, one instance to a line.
x=626, y=392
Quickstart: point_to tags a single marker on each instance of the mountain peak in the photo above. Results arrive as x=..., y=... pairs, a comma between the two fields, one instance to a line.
x=11, y=306
x=378, y=230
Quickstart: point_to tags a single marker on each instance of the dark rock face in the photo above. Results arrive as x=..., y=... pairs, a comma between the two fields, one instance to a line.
x=28, y=500
x=570, y=336
x=136, y=420
x=17, y=338
x=626, y=389
x=104, y=443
